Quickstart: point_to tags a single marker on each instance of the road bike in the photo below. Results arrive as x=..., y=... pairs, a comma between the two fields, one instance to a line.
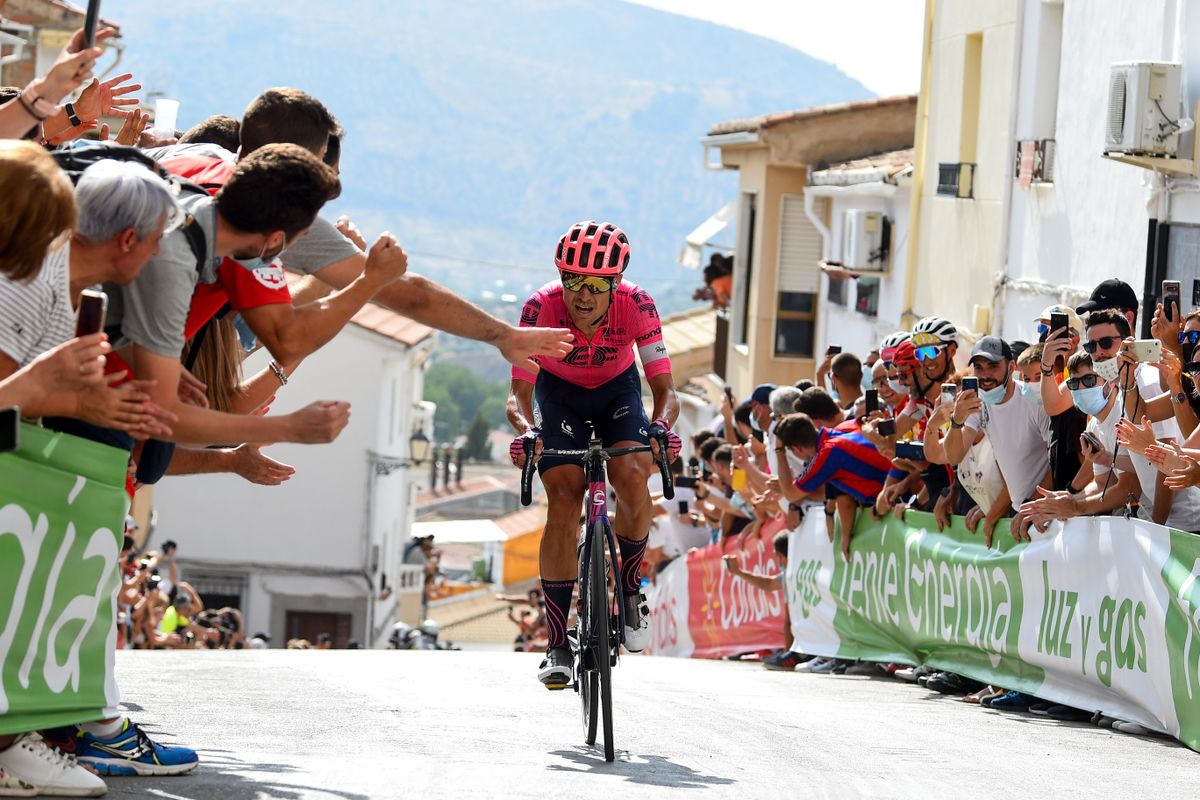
x=599, y=631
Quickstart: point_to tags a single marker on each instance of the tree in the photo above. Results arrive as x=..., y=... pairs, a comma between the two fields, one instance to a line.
x=477, y=438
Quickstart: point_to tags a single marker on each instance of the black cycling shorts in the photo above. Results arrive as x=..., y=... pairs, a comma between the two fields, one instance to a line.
x=563, y=409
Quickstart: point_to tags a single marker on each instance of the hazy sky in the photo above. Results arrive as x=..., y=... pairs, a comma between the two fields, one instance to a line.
x=876, y=41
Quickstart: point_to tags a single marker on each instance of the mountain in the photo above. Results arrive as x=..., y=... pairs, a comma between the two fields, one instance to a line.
x=480, y=129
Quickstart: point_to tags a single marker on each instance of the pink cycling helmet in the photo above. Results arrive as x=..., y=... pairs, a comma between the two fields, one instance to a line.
x=593, y=248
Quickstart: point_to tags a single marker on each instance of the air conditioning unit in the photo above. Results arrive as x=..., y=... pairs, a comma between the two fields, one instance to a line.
x=866, y=239
x=1143, y=108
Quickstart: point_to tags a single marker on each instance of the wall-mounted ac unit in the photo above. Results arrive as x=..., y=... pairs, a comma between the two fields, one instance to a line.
x=866, y=239
x=1143, y=108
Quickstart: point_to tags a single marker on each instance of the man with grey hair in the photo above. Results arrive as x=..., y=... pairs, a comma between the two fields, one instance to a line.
x=123, y=210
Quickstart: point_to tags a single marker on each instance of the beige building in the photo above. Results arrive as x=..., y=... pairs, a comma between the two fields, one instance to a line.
x=772, y=333
x=964, y=160
x=32, y=32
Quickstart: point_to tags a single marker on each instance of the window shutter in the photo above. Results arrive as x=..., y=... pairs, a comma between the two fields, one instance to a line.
x=799, y=245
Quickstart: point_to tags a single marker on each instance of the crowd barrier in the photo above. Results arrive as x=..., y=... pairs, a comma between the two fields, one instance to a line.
x=1100, y=613
x=62, y=509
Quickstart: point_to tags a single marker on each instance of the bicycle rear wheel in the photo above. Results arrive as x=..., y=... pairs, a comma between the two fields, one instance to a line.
x=602, y=626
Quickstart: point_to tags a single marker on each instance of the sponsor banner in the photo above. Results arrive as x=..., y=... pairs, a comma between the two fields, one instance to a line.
x=711, y=613
x=1099, y=613
x=62, y=512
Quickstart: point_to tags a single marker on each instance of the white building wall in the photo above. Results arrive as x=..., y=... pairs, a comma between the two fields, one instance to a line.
x=1091, y=223
x=837, y=324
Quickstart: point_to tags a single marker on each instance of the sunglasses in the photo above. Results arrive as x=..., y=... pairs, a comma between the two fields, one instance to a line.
x=1189, y=337
x=1192, y=368
x=593, y=283
x=1085, y=381
x=1103, y=343
x=928, y=353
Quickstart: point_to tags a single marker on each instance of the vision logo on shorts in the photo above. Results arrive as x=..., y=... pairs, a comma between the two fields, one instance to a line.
x=271, y=276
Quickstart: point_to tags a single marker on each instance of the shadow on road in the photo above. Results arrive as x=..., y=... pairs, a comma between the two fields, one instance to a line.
x=644, y=769
x=229, y=778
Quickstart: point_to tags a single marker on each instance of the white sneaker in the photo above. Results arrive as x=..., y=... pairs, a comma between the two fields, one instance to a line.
x=12, y=786
x=637, y=623
x=53, y=773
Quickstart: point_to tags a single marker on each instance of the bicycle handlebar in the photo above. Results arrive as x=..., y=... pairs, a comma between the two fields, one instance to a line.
x=663, y=468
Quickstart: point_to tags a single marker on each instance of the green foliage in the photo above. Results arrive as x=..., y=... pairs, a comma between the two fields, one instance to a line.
x=463, y=395
x=477, y=438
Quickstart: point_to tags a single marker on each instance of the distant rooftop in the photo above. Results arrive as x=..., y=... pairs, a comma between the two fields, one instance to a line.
x=880, y=168
x=751, y=124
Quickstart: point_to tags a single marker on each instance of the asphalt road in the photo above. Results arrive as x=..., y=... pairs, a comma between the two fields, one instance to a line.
x=353, y=724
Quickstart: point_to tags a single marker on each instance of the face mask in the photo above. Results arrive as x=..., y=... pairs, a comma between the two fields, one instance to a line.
x=897, y=386
x=259, y=261
x=868, y=381
x=833, y=392
x=754, y=423
x=1108, y=370
x=995, y=396
x=1031, y=391
x=1090, y=401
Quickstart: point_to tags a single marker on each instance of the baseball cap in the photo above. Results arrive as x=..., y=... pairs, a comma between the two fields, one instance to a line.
x=762, y=393
x=1112, y=293
x=993, y=348
x=1072, y=318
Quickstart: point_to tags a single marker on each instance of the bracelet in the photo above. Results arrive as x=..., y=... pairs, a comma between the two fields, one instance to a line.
x=71, y=115
x=37, y=105
x=1047, y=372
x=29, y=109
x=956, y=425
x=279, y=373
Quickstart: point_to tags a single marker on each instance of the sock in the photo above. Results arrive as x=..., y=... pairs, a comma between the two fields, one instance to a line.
x=631, y=564
x=558, y=607
x=103, y=729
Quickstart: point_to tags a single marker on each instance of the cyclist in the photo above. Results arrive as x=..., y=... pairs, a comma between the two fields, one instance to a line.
x=596, y=381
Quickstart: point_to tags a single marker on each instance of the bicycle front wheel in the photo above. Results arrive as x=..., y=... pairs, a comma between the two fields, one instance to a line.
x=601, y=613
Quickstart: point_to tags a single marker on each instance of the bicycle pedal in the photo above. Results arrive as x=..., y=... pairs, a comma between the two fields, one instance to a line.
x=556, y=687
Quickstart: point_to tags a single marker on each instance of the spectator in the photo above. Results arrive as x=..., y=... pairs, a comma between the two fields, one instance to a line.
x=260, y=641
x=782, y=660
x=1066, y=421
x=219, y=129
x=846, y=375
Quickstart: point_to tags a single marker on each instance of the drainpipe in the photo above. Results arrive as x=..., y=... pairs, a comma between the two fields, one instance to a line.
x=919, y=156
x=1000, y=290
x=818, y=223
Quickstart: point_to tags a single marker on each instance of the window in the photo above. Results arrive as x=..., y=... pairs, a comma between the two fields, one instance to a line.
x=799, y=277
x=837, y=291
x=796, y=324
x=743, y=265
x=867, y=298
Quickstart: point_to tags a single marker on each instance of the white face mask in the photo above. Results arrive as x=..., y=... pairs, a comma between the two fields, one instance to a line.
x=1108, y=370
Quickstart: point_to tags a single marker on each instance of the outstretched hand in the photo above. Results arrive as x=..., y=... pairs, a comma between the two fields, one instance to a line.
x=520, y=345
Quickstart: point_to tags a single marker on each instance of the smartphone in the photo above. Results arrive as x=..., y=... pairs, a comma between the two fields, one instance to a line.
x=1147, y=350
x=872, y=401
x=1059, y=322
x=93, y=309
x=970, y=384
x=739, y=479
x=1092, y=441
x=910, y=450
x=1171, y=291
x=686, y=482
x=10, y=429
x=683, y=508
x=886, y=427
x=1195, y=292
x=949, y=392
x=729, y=394
x=91, y=21
x=833, y=350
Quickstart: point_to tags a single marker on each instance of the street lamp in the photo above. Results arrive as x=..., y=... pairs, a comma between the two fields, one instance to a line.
x=418, y=451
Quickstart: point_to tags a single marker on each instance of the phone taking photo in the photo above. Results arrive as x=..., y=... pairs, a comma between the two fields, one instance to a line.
x=1171, y=291
x=1059, y=322
x=949, y=392
x=833, y=350
x=91, y=21
x=871, y=401
x=93, y=309
x=970, y=384
x=886, y=427
x=10, y=429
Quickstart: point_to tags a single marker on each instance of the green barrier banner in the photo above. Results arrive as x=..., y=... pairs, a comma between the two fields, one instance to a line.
x=62, y=512
x=1099, y=613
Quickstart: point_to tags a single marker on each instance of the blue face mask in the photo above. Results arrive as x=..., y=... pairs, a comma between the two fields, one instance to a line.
x=754, y=422
x=1089, y=401
x=868, y=381
x=833, y=392
x=994, y=397
x=1031, y=391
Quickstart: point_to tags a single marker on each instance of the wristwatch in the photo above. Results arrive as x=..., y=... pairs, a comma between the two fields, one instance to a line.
x=956, y=424
x=1179, y=398
x=71, y=115
x=1047, y=372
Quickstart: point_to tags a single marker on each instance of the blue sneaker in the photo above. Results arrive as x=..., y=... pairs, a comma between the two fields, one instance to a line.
x=1012, y=701
x=129, y=753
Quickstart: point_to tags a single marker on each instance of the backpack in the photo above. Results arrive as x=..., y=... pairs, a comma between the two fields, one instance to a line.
x=74, y=160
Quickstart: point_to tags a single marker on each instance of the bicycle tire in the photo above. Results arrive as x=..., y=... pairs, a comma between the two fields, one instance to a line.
x=602, y=622
x=586, y=678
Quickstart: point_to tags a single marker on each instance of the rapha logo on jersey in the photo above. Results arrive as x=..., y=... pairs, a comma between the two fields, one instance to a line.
x=621, y=412
x=567, y=429
x=271, y=276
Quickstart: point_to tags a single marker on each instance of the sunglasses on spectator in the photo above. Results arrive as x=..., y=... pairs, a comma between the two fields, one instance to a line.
x=928, y=353
x=595, y=284
x=1103, y=343
x=879, y=381
x=1083, y=381
x=1189, y=337
x=1192, y=368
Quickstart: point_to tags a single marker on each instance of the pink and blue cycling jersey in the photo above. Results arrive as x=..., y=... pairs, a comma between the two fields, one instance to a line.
x=632, y=321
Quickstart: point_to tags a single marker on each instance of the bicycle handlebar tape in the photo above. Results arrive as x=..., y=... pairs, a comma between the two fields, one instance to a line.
x=527, y=472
